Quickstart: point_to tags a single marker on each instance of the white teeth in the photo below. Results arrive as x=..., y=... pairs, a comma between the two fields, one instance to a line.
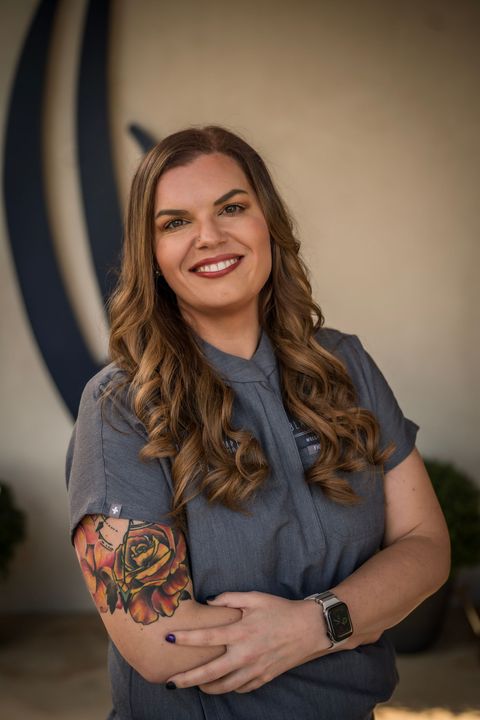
x=216, y=267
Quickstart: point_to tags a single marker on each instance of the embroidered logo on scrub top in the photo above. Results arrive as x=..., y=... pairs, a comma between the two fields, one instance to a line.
x=306, y=439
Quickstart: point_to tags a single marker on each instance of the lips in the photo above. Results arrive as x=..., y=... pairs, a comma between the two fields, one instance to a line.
x=216, y=264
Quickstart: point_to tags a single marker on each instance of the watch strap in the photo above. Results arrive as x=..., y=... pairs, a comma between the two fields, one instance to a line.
x=325, y=599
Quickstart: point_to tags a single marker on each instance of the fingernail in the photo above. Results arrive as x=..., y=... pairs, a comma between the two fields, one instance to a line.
x=210, y=597
x=170, y=638
x=170, y=685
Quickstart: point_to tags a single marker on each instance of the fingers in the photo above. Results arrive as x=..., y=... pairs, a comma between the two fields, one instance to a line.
x=243, y=680
x=206, y=637
x=223, y=634
x=229, y=683
x=254, y=650
x=204, y=674
x=252, y=685
x=237, y=599
x=242, y=677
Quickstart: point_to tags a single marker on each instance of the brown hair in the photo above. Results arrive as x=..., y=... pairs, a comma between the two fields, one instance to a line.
x=179, y=397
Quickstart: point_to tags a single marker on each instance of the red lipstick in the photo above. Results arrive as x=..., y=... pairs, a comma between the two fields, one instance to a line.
x=214, y=260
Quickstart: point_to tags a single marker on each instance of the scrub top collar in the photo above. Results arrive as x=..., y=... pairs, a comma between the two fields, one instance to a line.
x=238, y=369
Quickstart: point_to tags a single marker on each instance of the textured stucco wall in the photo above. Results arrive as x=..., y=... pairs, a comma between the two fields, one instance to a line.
x=367, y=113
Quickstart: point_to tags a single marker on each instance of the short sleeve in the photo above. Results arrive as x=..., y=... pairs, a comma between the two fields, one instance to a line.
x=374, y=393
x=104, y=472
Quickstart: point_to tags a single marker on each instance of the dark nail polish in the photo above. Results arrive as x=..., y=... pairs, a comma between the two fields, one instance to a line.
x=210, y=597
x=170, y=638
x=170, y=685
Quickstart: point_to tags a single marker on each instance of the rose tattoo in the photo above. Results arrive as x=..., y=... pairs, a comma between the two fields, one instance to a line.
x=145, y=573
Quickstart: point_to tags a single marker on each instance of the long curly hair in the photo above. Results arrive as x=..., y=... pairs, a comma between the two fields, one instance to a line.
x=175, y=392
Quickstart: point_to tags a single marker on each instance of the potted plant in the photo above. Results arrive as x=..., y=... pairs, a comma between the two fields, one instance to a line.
x=12, y=528
x=459, y=498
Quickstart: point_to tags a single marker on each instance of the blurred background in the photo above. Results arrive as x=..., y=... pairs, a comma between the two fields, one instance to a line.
x=368, y=115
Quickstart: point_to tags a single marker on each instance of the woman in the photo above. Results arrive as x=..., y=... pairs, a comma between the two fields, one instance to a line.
x=237, y=458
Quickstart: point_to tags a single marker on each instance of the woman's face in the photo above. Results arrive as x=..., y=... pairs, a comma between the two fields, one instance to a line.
x=212, y=242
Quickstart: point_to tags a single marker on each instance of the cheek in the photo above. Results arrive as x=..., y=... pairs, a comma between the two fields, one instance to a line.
x=266, y=263
x=157, y=251
x=168, y=257
x=264, y=249
x=257, y=230
x=268, y=252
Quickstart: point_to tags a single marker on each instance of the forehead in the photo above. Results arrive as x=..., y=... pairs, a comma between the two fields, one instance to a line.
x=203, y=180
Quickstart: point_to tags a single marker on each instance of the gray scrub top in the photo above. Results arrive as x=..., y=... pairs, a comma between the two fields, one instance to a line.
x=293, y=542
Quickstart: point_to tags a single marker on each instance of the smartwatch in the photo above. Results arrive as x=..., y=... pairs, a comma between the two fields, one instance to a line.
x=337, y=617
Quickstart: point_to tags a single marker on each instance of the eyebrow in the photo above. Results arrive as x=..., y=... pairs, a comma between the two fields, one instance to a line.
x=220, y=200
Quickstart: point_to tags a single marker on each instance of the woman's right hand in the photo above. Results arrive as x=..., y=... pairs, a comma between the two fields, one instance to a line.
x=273, y=636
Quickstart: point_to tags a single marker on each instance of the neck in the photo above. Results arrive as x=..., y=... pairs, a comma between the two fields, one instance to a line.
x=233, y=334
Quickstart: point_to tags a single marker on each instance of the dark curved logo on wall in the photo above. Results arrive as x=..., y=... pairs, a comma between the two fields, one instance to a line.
x=51, y=316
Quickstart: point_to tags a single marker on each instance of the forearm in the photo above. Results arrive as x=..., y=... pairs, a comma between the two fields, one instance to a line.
x=392, y=583
x=156, y=659
x=415, y=561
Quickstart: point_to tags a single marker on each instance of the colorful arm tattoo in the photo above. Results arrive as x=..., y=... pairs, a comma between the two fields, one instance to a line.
x=135, y=566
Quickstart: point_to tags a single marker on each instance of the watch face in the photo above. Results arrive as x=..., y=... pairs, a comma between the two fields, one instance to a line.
x=340, y=623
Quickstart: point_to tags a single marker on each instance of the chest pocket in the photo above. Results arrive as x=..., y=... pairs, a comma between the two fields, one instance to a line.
x=348, y=522
x=365, y=519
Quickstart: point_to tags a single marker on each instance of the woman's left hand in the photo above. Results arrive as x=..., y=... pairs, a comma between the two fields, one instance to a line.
x=273, y=635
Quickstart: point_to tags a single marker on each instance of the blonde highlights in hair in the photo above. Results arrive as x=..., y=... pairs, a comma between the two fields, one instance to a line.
x=179, y=397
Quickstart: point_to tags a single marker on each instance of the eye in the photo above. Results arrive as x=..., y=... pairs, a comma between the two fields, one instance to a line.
x=233, y=209
x=172, y=224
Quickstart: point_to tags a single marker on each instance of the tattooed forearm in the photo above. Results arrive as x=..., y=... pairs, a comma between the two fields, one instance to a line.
x=136, y=567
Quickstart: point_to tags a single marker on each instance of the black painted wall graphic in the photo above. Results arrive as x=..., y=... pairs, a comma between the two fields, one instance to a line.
x=100, y=200
x=52, y=320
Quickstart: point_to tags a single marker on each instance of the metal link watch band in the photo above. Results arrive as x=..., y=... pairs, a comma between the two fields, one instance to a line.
x=325, y=599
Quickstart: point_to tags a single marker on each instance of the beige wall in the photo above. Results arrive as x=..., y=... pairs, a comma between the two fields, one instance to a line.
x=368, y=114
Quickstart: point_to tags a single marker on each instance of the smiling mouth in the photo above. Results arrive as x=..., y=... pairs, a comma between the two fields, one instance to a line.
x=218, y=266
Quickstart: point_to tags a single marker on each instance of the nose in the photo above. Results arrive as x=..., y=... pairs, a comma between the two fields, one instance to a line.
x=209, y=234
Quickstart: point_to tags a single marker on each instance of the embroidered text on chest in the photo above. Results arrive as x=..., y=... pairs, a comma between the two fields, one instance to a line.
x=305, y=438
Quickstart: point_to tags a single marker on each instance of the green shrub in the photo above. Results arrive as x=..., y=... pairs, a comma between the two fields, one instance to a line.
x=459, y=499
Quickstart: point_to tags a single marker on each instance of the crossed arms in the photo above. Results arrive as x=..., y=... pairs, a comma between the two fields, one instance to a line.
x=139, y=579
